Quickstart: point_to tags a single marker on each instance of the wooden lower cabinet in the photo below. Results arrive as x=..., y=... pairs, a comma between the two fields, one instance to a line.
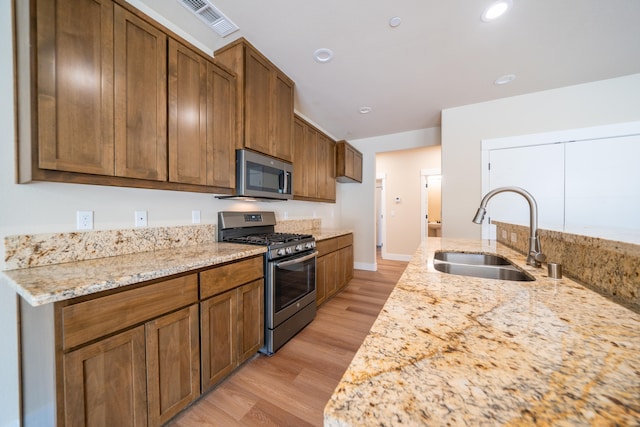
x=218, y=325
x=251, y=319
x=139, y=356
x=139, y=377
x=105, y=382
x=334, y=267
x=173, y=363
x=232, y=330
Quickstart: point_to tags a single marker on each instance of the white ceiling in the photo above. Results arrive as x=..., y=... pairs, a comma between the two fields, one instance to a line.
x=441, y=56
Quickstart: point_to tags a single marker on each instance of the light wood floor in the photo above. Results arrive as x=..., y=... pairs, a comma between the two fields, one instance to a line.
x=292, y=387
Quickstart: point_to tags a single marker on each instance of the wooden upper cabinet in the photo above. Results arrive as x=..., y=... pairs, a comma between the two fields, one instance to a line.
x=202, y=120
x=265, y=100
x=348, y=163
x=326, y=168
x=313, y=163
x=116, y=99
x=140, y=53
x=257, y=106
x=222, y=130
x=74, y=46
x=187, y=115
x=282, y=120
x=299, y=180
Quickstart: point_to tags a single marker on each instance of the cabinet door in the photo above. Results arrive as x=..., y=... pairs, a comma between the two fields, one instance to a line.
x=251, y=319
x=357, y=166
x=326, y=168
x=173, y=363
x=222, y=127
x=321, y=290
x=331, y=167
x=140, y=98
x=218, y=329
x=331, y=273
x=311, y=154
x=257, y=105
x=282, y=117
x=105, y=382
x=75, y=86
x=299, y=164
x=187, y=115
x=345, y=266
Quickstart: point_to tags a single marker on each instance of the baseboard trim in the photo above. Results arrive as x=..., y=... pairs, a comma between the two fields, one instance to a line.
x=397, y=257
x=365, y=266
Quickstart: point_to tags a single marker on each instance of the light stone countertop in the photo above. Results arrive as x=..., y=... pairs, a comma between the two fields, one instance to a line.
x=454, y=350
x=66, y=280
x=51, y=283
x=328, y=233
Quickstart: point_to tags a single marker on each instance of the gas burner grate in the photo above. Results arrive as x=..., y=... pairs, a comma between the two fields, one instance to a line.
x=268, y=238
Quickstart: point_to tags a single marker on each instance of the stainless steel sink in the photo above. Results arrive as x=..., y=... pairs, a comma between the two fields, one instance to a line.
x=471, y=258
x=487, y=266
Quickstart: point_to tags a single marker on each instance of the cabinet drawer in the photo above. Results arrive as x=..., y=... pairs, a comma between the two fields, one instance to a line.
x=326, y=246
x=92, y=319
x=229, y=276
x=344, y=241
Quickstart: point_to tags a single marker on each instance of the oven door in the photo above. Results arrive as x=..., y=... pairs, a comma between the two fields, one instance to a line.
x=291, y=286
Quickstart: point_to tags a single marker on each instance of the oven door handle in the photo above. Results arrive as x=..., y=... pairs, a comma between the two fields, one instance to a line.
x=297, y=260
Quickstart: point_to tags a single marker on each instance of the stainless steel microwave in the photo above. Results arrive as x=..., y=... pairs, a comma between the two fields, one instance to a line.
x=264, y=177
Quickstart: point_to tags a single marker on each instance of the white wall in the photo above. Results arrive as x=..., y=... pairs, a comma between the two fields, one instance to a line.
x=403, y=218
x=357, y=201
x=9, y=396
x=592, y=104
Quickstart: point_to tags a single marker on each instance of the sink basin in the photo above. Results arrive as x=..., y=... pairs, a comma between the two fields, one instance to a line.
x=471, y=258
x=486, y=266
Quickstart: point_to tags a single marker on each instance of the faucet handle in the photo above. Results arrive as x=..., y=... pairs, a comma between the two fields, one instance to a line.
x=540, y=257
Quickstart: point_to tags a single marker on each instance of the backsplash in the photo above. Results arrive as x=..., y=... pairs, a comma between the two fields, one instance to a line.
x=610, y=267
x=298, y=225
x=55, y=248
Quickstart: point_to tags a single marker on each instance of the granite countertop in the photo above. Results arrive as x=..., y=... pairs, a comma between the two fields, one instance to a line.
x=51, y=283
x=328, y=233
x=454, y=350
x=66, y=280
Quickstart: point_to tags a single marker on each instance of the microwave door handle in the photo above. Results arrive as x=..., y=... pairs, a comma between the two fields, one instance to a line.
x=285, y=188
x=297, y=260
x=282, y=181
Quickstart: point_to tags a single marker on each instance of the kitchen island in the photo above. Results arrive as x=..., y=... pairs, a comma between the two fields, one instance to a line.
x=456, y=350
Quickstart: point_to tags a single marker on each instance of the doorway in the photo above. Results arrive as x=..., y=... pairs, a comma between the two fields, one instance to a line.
x=431, y=202
x=380, y=211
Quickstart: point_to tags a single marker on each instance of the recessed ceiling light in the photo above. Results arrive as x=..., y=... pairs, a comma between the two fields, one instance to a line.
x=496, y=10
x=365, y=110
x=395, y=21
x=323, y=55
x=507, y=78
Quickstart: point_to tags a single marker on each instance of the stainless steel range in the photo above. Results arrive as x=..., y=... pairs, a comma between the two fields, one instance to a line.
x=289, y=271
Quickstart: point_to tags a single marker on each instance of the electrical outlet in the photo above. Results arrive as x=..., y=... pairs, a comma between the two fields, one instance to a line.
x=84, y=220
x=141, y=218
x=195, y=217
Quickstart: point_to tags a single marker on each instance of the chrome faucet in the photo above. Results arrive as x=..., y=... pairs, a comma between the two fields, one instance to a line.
x=535, y=256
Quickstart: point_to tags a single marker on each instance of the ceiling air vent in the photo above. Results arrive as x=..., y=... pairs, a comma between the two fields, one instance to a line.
x=210, y=16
